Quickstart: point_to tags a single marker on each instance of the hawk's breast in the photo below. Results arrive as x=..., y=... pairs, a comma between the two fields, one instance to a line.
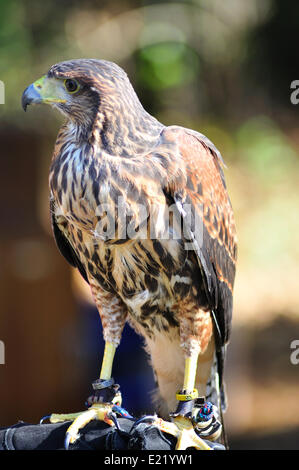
x=125, y=238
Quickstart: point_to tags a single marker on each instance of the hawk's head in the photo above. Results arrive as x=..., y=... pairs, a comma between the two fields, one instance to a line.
x=79, y=88
x=95, y=95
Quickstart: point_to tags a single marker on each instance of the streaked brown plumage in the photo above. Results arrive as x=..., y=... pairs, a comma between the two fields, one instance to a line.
x=112, y=157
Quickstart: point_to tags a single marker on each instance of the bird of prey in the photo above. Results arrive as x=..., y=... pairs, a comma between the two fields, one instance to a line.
x=142, y=210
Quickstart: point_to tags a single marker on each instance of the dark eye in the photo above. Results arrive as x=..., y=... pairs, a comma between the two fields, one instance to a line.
x=71, y=85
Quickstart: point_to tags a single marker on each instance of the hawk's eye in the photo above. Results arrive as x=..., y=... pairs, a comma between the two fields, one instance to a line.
x=71, y=85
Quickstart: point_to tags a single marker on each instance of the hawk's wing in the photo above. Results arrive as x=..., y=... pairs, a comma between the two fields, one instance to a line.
x=64, y=246
x=203, y=202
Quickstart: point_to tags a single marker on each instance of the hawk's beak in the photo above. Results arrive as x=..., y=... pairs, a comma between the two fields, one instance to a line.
x=44, y=90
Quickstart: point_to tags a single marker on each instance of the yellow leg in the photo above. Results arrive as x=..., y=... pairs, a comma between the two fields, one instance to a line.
x=182, y=427
x=189, y=392
x=107, y=363
x=98, y=411
x=190, y=372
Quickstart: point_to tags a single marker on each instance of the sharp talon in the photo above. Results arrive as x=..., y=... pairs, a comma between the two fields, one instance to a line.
x=44, y=418
x=98, y=409
x=112, y=416
x=182, y=428
x=152, y=418
x=67, y=440
x=145, y=418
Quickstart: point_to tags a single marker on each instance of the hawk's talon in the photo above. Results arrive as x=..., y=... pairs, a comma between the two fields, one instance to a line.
x=103, y=405
x=192, y=422
x=183, y=429
x=44, y=418
x=67, y=440
x=151, y=418
x=98, y=411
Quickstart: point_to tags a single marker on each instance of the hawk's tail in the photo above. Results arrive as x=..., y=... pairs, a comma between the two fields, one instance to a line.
x=215, y=391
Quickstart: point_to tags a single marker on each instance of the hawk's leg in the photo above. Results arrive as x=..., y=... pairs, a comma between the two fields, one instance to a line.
x=194, y=420
x=106, y=397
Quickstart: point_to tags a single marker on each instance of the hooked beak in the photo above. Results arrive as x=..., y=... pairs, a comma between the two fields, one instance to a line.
x=44, y=90
x=30, y=95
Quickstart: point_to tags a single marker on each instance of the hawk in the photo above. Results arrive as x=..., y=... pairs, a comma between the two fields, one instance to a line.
x=142, y=211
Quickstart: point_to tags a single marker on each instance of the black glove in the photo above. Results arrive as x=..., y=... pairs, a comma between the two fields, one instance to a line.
x=96, y=435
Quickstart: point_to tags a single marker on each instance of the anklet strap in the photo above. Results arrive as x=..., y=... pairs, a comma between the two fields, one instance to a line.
x=180, y=396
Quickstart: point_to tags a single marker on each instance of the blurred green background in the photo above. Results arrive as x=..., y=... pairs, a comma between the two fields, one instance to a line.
x=222, y=68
